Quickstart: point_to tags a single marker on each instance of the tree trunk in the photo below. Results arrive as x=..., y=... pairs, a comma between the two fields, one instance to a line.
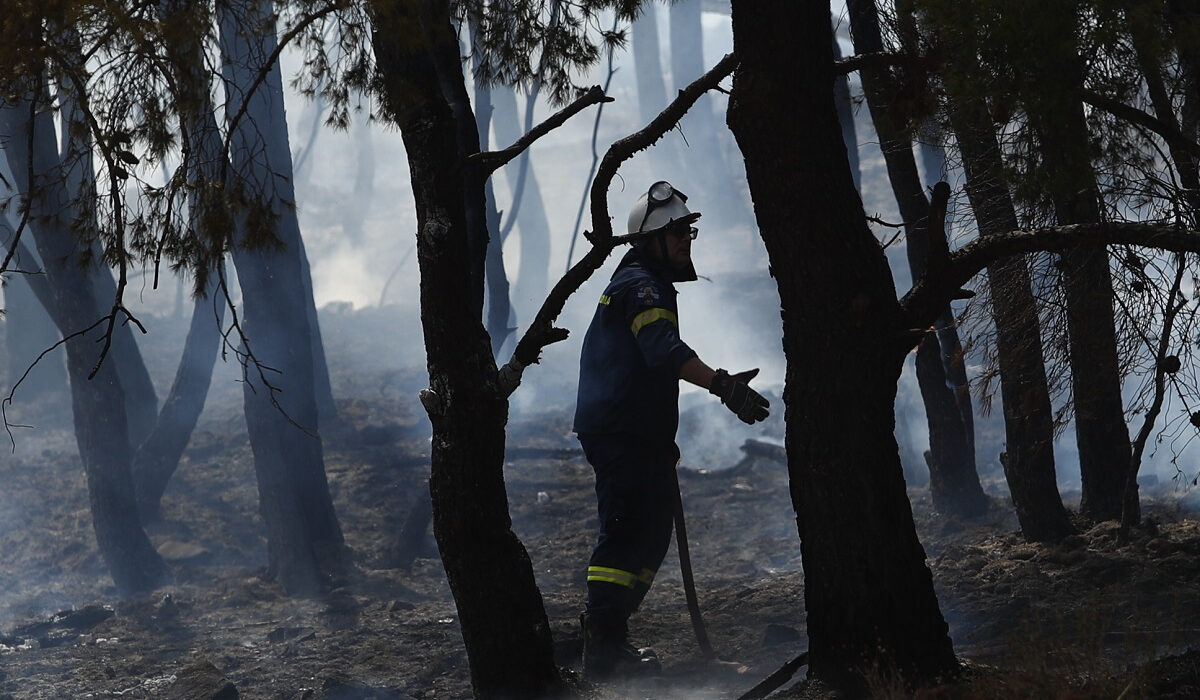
x=1028, y=417
x=141, y=401
x=845, y=110
x=527, y=211
x=157, y=458
x=955, y=489
x=647, y=64
x=703, y=161
x=304, y=540
x=98, y=403
x=29, y=330
x=499, y=306
x=1055, y=108
x=328, y=419
x=877, y=608
x=503, y=621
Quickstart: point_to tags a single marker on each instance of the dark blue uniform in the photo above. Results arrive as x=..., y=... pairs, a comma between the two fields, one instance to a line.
x=626, y=417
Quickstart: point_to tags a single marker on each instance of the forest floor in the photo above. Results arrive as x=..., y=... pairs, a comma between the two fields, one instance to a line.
x=1084, y=618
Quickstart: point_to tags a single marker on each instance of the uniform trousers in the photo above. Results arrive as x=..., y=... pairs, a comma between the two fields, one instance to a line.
x=635, y=487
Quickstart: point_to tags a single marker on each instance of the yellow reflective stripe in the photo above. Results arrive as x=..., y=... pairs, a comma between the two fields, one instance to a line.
x=647, y=576
x=607, y=575
x=650, y=316
x=605, y=300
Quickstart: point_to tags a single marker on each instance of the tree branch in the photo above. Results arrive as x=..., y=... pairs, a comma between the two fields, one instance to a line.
x=878, y=59
x=541, y=331
x=1143, y=119
x=491, y=161
x=923, y=303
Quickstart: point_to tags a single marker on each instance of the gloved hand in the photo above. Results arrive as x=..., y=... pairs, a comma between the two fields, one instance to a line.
x=735, y=392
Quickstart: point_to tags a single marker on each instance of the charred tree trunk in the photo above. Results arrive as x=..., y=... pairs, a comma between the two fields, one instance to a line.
x=98, y=402
x=304, y=540
x=955, y=487
x=1055, y=108
x=503, y=620
x=845, y=110
x=876, y=609
x=1028, y=417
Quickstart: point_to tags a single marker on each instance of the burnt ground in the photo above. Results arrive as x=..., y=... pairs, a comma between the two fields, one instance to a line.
x=1085, y=618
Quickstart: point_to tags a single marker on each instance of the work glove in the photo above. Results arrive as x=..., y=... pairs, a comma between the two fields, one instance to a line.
x=735, y=392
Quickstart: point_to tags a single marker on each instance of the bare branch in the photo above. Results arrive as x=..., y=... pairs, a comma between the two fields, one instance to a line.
x=933, y=291
x=879, y=59
x=1136, y=116
x=491, y=161
x=7, y=401
x=541, y=331
x=625, y=149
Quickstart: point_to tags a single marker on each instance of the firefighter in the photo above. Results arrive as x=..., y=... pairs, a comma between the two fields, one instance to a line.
x=626, y=416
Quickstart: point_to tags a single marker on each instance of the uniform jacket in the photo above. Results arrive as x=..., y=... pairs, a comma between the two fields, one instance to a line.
x=629, y=367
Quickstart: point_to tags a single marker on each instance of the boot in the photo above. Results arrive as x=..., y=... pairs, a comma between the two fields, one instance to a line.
x=608, y=654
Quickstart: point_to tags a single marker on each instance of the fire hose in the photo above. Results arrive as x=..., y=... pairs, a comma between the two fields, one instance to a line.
x=770, y=683
x=685, y=568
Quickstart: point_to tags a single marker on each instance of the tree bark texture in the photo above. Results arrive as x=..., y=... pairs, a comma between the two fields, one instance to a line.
x=1028, y=418
x=1055, y=108
x=304, y=539
x=502, y=617
x=955, y=488
x=98, y=403
x=868, y=591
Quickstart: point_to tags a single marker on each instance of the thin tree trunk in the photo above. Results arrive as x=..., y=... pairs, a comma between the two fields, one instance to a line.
x=703, y=160
x=499, y=307
x=527, y=207
x=647, y=64
x=328, y=419
x=845, y=110
x=98, y=403
x=29, y=330
x=876, y=608
x=304, y=540
x=1055, y=108
x=1150, y=63
x=1028, y=417
x=953, y=479
x=503, y=620
x=141, y=400
x=155, y=461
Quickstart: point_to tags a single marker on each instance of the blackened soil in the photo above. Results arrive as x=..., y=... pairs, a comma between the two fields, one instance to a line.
x=1088, y=617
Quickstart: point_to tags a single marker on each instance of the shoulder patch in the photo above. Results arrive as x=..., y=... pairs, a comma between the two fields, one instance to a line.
x=648, y=295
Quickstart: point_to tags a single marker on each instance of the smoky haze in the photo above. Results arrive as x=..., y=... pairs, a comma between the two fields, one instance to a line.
x=358, y=220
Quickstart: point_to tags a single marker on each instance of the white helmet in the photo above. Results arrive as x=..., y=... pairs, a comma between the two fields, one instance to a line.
x=659, y=206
